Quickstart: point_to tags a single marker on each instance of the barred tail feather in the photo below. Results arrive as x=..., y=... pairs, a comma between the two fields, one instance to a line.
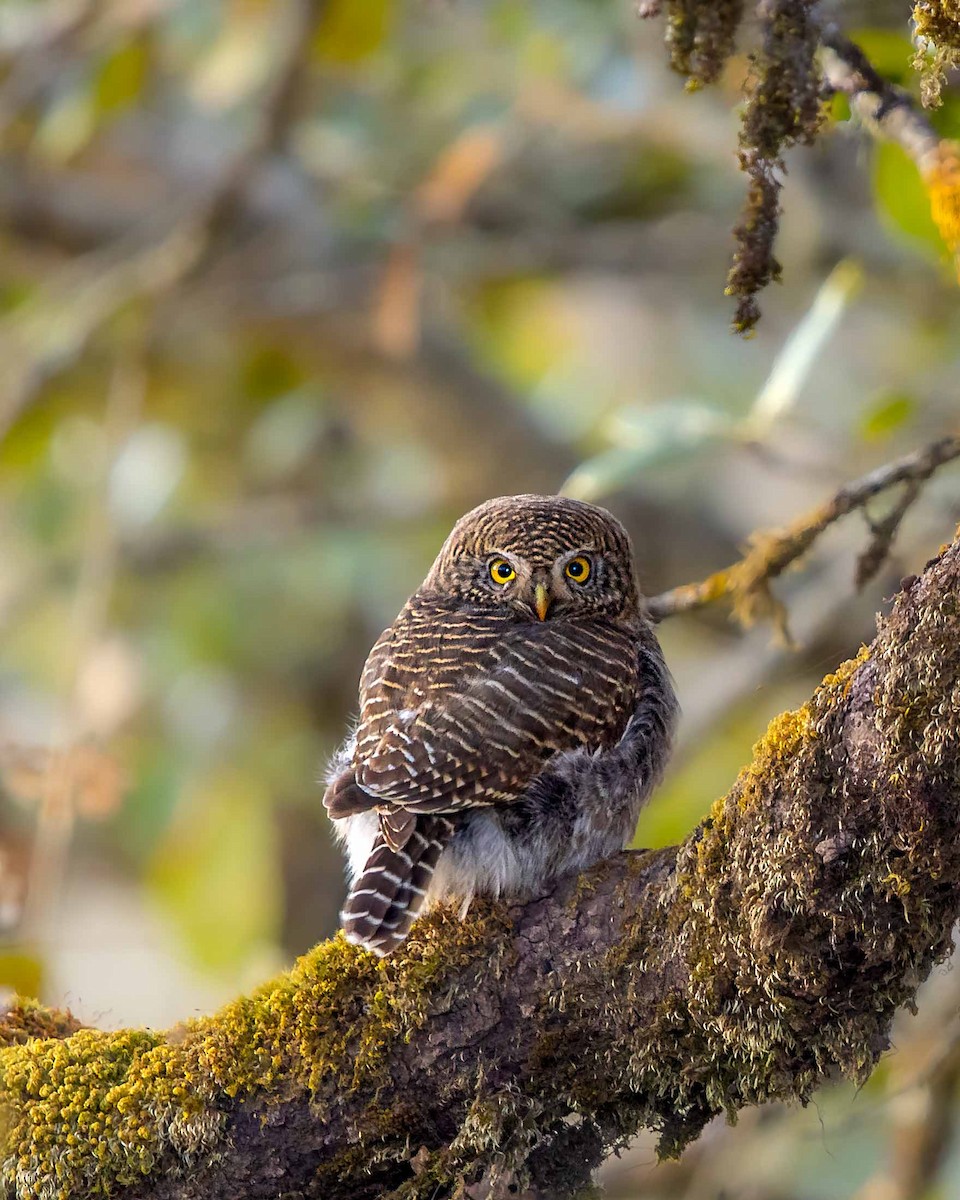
x=388, y=894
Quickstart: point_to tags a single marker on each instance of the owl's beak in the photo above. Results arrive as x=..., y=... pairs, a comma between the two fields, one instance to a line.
x=541, y=601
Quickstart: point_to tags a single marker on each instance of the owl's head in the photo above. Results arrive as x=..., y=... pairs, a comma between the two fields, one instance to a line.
x=541, y=556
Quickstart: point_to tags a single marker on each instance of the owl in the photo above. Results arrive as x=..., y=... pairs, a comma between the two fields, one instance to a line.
x=513, y=719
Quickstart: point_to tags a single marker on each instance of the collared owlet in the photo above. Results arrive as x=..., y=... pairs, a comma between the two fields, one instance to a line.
x=513, y=718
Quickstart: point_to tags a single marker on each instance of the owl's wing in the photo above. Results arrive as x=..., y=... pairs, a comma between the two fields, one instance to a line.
x=540, y=690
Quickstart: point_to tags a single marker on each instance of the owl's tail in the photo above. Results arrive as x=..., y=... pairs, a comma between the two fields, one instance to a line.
x=389, y=892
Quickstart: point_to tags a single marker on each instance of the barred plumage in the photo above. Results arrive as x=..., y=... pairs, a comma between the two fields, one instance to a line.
x=508, y=730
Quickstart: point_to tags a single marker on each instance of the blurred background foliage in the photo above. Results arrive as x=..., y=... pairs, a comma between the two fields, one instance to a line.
x=284, y=289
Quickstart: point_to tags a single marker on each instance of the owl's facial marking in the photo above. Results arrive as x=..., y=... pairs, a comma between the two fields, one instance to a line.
x=582, y=580
x=540, y=557
x=578, y=581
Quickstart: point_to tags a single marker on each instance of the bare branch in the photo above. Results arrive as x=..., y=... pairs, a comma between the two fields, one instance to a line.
x=886, y=110
x=747, y=582
x=889, y=112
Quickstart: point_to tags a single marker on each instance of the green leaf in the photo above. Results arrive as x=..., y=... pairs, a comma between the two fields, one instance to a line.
x=668, y=429
x=890, y=52
x=886, y=414
x=839, y=107
x=217, y=871
x=902, y=200
x=803, y=347
x=647, y=437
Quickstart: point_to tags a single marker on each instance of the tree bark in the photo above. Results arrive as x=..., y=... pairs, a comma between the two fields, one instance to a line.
x=510, y=1053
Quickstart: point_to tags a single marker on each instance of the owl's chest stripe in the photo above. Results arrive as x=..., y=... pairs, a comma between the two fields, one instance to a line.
x=576, y=680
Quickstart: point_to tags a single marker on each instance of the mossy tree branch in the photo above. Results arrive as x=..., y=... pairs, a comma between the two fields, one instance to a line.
x=764, y=955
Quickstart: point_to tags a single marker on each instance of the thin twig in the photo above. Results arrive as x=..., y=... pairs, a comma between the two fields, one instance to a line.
x=886, y=110
x=891, y=113
x=747, y=582
x=57, y=809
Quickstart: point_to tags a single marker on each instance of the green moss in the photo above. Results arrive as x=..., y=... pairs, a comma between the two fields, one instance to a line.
x=701, y=37
x=86, y=1114
x=743, y=910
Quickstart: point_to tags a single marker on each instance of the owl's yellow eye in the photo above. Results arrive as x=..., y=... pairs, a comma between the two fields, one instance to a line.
x=578, y=569
x=501, y=571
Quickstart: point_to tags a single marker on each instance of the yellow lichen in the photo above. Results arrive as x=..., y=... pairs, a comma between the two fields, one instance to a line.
x=942, y=180
x=84, y=1114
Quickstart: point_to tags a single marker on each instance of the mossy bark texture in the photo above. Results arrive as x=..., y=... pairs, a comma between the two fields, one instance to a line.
x=509, y=1053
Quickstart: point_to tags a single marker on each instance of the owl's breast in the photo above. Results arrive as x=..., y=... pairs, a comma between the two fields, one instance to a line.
x=465, y=685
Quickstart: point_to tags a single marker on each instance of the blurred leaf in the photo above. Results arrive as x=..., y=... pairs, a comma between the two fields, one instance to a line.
x=544, y=54
x=217, y=871
x=285, y=435
x=67, y=126
x=886, y=415
x=946, y=118
x=396, y=315
x=20, y=972
x=526, y=326
x=14, y=293
x=664, y=428
x=27, y=444
x=839, y=107
x=647, y=437
x=902, y=199
x=792, y=366
x=460, y=169
x=352, y=31
x=121, y=78
x=603, y=473
x=46, y=511
x=889, y=51
x=269, y=371
x=509, y=20
x=239, y=61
